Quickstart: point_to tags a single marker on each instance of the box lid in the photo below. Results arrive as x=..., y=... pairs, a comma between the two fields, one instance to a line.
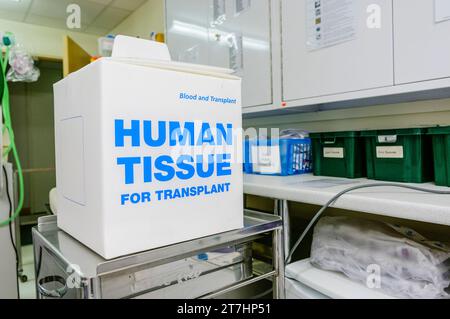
x=156, y=55
x=177, y=66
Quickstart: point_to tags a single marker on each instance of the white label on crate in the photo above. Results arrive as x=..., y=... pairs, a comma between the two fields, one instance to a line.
x=389, y=151
x=266, y=159
x=333, y=152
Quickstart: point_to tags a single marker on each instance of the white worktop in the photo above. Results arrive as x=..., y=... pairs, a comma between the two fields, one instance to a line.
x=387, y=201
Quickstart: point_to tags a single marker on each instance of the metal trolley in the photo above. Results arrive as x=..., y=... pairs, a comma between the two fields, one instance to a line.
x=208, y=267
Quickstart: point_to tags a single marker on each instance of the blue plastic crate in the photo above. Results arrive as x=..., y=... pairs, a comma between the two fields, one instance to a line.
x=295, y=157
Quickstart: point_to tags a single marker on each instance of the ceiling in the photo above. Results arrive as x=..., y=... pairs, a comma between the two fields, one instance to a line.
x=97, y=16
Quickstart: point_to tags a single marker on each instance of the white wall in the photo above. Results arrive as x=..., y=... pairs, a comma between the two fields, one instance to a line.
x=44, y=41
x=149, y=17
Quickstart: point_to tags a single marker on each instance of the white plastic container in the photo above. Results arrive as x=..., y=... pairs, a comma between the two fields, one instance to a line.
x=125, y=181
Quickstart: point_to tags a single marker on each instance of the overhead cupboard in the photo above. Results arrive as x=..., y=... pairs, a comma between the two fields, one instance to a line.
x=327, y=47
x=422, y=46
x=302, y=54
x=343, y=50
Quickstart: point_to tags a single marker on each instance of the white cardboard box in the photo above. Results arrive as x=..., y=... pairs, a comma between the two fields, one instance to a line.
x=125, y=181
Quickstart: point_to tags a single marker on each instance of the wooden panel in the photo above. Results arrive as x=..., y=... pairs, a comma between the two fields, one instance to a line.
x=75, y=57
x=47, y=58
x=33, y=117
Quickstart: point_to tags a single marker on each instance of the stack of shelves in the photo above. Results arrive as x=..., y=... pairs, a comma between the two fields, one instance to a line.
x=303, y=280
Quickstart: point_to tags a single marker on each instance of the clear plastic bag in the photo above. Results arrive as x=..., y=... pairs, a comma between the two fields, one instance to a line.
x=22, y=68
x=409, y=265
x=294, y=133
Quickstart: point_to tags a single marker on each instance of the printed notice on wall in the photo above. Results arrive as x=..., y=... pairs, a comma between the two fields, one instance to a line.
x=329, y=22
x=441, y=10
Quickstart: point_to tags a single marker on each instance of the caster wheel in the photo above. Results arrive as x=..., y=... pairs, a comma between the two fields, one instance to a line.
x=23, y=278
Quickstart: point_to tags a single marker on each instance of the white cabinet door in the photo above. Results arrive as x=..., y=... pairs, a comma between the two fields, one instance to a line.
x=187, y=31
x=242, y=43
x=226, y=33
x=364, y=62
x=422, y=45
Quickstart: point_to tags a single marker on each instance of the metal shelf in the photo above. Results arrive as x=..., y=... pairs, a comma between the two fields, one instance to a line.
x=385, y=201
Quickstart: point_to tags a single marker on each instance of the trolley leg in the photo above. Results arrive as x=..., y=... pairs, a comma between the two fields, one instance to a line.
x=282, y=210
x=278, y=264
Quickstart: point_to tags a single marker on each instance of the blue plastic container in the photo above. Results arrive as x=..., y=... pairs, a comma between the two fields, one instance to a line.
x=281, y=157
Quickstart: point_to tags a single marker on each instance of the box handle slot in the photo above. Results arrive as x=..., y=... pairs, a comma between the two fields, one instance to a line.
x=387, y=139
x=329, y=141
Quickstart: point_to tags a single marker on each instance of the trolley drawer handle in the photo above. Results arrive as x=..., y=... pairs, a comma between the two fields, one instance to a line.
x=57, y=293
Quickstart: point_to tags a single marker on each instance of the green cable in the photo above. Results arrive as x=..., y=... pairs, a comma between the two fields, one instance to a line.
x=12, y=147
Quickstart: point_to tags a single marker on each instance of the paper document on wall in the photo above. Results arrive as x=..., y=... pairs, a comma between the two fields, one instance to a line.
x=441, y=10
x=266, y=159
x=329, y=22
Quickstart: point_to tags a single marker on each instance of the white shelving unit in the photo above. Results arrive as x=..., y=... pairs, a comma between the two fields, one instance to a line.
x=304, y=281
x=385, y=201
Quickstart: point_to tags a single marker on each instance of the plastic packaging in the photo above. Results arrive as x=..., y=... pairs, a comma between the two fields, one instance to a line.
x=409, y=265
x=294, y=133
x=22, y=68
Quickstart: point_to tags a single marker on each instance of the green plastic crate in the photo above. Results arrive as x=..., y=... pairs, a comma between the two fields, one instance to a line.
x=441, y=154
x=338, y=154
x=403, y=155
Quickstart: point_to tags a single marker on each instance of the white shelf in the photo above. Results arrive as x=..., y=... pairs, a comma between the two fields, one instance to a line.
x=313, y=283
x=386, y=201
